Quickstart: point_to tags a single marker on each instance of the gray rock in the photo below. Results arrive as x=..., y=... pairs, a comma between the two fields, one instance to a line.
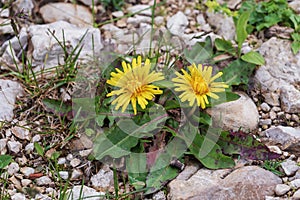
x=296, y=195
x=159, y=196
x=75, y=162
x=234, y=115
x=3, y=143
x=36, y=138
x=87, y=2
x=13, y=168
x=83, y=192
x=118, y=13
x=14, y=146
x=72, y=13
x=18, y=196
x=9, y=91
x=295, y=5
x=204, y=25
x=287, y=138
x=138, y=19
x=159, y=20
x=281, y=69
x=115, y=31
x=43, y=181
x=295, y=184
x=177, y=24
x=25, y=6
x=224, y=25
x=21, y=132
x=265, y=107
x=103, y=179
x=244, y=183
x=265, y=122
x=27, y=171
x=272, y=198
x=6, y=29
x=29, y=147
x=76, y=174
x=61, y=161
x=47, y=53
x=290, y=99
x=281, y=189
x=64, y=174
x=26, y=182
x=289, y=167
x=138, y=8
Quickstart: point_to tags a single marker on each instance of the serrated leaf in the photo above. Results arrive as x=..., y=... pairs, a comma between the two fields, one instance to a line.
x=200, y=52
x=122, y=137
x=39, y=149
x=238, y=72
x=241, y=32
x=225, y=45
x=254, y=58
x=246, y=145
x=5, y=160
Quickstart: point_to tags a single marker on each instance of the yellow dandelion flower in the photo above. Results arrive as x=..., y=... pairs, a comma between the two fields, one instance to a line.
x=197, y=85
x=134, y=84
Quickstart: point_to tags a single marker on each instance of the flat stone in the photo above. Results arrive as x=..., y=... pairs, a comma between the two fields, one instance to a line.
x=235, y=115
x=18, y=196
x=6, y=29
x=296, y=195
x=281, y=189
x=137, y=19
x=118, y=13
x=159, y=196
x=137, y=8
x=223, y=24
x=14, y=146
x=295, y=184
x=177, y=24
x=280, y=71
x=244, y=183
x=47, y=53
x=64, y=174
x=26, y=182
x=75, y=162
x=13, y=168
x=287, y=138
x=103, y=179
x=290, y=99
x=43, y=181
x=76, y=174
x=265, y=107
x=9, y=91
x=83, y=192
x=289, y=167
x=27, y=171
x=3, y=143
x=69, y=12
x=22, y=133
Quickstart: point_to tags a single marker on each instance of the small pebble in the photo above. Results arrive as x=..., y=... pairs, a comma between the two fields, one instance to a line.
x=18, y=196
x=14, y=147
x=29, y=147
x=295, y=118
x=288, y=116
x=276, y=109
x=296, y=195
x=44, y=180
x=25, y=182
x=27, y=171
x=13, y=168
x=289, y=167
x=281, y=189
x=265, y=122
x=75, y=162
x=117, y=14
x=272, y=115
x=62, y=161
x=69, y=157
x=36, y=138
x=295, y=184
x=280, y=114
x=64, y=175
x=76, y=174
x=265, y=107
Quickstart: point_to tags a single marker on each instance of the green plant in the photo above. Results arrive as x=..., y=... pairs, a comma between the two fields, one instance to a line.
x=272, y=166
x=112, y=4
x=265, y=14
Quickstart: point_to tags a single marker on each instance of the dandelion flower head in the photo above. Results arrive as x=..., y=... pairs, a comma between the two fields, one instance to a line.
x=134, y=84
x=197, y=85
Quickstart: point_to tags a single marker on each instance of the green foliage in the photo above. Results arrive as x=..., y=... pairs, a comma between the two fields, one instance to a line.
x=213, y=5
x=274, y=12
x=273, y=166
x=5, y=160
x=241, y=32
x=254, y=58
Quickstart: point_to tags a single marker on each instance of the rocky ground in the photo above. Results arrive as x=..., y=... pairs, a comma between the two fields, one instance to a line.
x=270, y=108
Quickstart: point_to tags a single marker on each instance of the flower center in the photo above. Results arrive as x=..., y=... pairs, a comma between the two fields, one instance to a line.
x=135, y=87
x=200, y=86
